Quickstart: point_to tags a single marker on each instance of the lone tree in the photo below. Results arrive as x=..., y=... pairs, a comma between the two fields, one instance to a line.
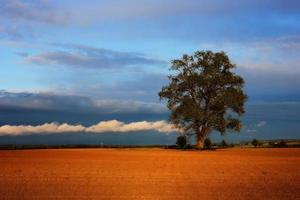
x=204, y=94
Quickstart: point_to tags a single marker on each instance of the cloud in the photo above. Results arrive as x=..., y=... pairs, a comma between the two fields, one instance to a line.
x=38, y=11
x=279, y=54
x=253, y=128
x=291, y=42
x=123, y=9
x=274, y=54
x=91, y=11
x=33, y=16
x=140, y=86
x=270, y=66
x=101, y=127
x=116, y=106
x=90, y=57
x=44, y=128
x=20, y=19
x=117, y=126
x=274, y=84
x=79, y=104
x=261, y=124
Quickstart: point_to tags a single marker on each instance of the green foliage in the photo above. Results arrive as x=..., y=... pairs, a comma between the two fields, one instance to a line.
x=255, y=142
x=181, y=142
x=204, y=94
x=207, y=143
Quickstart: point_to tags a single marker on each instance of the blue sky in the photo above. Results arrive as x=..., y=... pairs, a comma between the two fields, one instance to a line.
x=113, y=56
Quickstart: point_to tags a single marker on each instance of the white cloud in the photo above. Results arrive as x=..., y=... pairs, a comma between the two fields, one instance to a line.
x=261, y=124
x=264, y=55
x=44, y=128
x=117, y=126
x=101, y=127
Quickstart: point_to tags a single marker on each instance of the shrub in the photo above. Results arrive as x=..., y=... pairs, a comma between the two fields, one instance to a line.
x=207, y=143
x=272, y=144
x=181, y=142
x=255, y=142
x=282, y=143
x=224, y=143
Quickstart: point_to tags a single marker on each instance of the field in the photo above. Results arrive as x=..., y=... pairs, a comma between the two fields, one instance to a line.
x=234, y=173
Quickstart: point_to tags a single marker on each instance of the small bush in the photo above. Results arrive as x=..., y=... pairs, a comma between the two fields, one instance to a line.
x=255, y=143
x=272, y=144
x=224, y=143
x=181, y=142
x=282, y=143
x=207, y=143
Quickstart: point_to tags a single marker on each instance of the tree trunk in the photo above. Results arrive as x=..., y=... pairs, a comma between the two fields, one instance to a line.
x=201, y=135
x=200, y=141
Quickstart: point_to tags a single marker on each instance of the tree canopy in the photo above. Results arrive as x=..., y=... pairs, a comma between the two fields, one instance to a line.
x=204, y=94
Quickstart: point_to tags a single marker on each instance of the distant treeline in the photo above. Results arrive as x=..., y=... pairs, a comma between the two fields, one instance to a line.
x=223, y=144
x=20, y=147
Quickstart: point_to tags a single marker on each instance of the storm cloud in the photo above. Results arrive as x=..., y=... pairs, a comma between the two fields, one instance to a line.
x=56, y=102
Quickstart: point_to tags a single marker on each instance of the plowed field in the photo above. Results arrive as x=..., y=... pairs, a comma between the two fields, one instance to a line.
x=150, y=174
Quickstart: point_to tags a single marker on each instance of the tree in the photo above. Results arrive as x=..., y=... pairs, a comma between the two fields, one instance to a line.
x=204, y=94
x=255, y=142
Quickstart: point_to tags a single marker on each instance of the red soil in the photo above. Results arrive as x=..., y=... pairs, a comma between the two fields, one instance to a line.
x=150, y=174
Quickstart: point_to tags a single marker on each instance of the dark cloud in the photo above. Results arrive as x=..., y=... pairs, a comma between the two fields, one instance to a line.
x=136, y=86
x=90, y=57
x=73, y=103
x=267, y=85
x=143, y=87
x=276, y=117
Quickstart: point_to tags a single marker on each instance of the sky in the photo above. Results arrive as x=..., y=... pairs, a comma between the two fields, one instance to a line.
x=89, y=71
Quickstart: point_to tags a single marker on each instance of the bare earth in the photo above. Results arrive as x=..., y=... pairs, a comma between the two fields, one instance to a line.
x=150, y=174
